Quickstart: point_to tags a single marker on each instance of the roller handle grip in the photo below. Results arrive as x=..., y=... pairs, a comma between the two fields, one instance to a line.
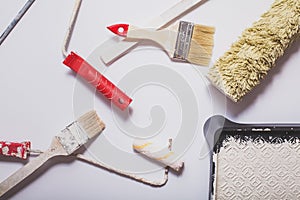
x=15, y=149
x=100, y=82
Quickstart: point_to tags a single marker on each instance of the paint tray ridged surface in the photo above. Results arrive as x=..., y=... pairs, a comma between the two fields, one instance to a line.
x=255, y=162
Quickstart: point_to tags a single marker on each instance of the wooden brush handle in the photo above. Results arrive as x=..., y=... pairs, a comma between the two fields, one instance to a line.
x=55, y=150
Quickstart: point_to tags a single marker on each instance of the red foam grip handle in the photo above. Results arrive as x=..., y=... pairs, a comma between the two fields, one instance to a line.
x=100, y=82
x=14, y=149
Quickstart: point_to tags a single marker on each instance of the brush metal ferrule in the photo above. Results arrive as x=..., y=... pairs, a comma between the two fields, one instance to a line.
x=183, y=42
x=72, y=137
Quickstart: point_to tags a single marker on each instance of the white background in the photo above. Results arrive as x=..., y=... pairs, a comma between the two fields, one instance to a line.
x=37, y=91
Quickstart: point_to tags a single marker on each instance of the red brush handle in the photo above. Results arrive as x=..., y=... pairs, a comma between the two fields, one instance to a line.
x=119, y=29
x=95, y=78
x=14, y=149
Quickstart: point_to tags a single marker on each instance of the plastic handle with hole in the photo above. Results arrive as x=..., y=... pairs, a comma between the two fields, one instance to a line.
x=119, y=29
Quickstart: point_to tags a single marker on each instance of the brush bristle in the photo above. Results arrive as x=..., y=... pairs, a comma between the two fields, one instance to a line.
x=201, y=46
x=91, y=124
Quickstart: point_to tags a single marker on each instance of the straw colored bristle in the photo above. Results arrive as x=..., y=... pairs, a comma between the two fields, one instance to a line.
x=91, y=124
x=201, y=46
x=249, y=59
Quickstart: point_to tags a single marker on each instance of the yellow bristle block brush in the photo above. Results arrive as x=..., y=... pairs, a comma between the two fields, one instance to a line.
x=250, y=58
x=184, y=41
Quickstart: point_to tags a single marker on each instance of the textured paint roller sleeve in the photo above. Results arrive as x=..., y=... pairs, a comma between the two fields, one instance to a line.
x=250, y=58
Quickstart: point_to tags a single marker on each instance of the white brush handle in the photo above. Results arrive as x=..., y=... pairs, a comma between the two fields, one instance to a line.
x=114, y=51
x=55, y=150
x=166, y=37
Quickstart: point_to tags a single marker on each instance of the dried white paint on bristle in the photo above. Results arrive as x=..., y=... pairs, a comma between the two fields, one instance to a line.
x=91, y=124
x=79, y=132
x=249, y=59
x=158, y=153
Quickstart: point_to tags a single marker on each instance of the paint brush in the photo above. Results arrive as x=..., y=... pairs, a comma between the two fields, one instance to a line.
x=163, y=20
x=183, y=41
x=65, y=143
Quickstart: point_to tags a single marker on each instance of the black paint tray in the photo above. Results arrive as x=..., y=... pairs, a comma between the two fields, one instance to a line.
x=253, y=161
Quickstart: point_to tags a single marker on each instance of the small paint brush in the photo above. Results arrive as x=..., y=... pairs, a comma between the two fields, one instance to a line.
x=184, y=41
x=165, y=19
x=65, y=143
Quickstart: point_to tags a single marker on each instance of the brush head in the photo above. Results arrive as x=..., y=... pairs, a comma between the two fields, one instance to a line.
x=201, y=45
x=80, y=132
x=91, y=124
x=194, y=43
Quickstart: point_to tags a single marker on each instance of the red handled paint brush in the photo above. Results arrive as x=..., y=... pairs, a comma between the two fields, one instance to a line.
x=184, y=41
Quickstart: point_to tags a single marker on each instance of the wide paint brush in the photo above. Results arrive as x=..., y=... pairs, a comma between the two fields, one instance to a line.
x=65, y=143
x=183, y=41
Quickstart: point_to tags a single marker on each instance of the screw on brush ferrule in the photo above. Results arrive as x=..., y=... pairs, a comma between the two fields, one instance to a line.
x=183, y=42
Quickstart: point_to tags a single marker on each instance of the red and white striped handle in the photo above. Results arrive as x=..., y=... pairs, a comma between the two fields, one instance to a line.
x=15, y=149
